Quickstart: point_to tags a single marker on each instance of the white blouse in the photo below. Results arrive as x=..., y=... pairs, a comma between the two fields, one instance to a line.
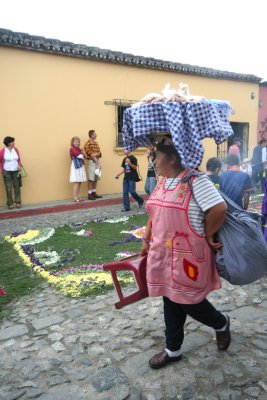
x=11, y=160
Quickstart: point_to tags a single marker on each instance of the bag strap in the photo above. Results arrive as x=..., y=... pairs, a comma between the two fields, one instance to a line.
x=138, y=173
x=188, y=178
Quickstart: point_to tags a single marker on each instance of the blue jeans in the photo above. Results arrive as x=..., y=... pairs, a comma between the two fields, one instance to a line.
x=151, y=182
x=129, y=187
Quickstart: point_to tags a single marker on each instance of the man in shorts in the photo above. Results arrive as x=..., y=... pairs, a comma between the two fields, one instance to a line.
x=93, y=154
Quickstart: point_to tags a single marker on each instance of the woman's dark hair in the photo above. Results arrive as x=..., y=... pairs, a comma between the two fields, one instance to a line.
x=166, y=146
x=213, y=164
x=8, y=140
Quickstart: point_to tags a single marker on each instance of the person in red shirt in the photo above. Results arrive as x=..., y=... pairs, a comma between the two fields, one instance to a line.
x=235, y=148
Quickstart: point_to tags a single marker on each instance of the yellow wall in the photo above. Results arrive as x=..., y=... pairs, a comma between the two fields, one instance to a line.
x=46, y=99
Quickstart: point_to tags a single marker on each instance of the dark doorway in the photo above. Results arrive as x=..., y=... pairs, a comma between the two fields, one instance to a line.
x=241, y=130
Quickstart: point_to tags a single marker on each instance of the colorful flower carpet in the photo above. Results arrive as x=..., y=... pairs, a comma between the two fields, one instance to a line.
x=84, y=279
x=57, y=266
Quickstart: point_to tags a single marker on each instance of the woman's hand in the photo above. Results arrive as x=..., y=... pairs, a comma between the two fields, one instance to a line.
x=146, y=239
x=145, y=248
x=214, y=219
x=215, y=246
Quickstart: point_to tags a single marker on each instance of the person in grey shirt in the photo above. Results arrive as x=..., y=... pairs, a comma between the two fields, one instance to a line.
x=257, y=163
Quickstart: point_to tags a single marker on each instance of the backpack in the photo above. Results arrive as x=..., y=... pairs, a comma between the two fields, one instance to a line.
x=244, y=254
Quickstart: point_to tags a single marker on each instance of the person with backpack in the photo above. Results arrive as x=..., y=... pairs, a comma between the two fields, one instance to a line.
x=77, y=170
x=130, y=171
x=185, y=211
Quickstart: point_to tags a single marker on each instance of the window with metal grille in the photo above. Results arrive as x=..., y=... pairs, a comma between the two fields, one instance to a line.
x=119, y=122
x=120, y=105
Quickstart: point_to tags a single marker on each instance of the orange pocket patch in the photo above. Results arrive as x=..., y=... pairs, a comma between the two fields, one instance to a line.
x=190, y=269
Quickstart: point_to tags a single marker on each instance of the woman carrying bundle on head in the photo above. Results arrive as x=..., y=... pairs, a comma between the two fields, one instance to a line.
x=185, y=211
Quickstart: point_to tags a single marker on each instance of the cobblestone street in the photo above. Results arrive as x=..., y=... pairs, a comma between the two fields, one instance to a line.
x=55, y=348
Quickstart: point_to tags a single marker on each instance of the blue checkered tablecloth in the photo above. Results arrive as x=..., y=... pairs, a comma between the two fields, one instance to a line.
x=188, y=123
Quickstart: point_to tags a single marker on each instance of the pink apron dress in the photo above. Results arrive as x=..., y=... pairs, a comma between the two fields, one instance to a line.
x=180, y=264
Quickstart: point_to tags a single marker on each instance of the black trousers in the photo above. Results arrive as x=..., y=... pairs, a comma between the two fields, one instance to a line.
x=175, y=316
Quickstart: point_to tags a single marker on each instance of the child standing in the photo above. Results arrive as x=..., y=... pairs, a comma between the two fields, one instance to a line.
x=77, y=170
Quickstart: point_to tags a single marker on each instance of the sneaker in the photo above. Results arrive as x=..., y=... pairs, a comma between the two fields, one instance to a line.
x=123, y=210
x=97, y=196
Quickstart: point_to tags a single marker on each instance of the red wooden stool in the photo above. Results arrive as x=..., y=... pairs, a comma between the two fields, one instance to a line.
x=138, y=267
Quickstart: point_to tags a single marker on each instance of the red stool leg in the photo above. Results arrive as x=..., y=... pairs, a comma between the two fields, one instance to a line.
x=138, y=267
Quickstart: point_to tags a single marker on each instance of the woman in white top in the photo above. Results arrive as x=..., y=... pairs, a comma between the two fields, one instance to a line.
x=77, y=170
x=10, y=165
